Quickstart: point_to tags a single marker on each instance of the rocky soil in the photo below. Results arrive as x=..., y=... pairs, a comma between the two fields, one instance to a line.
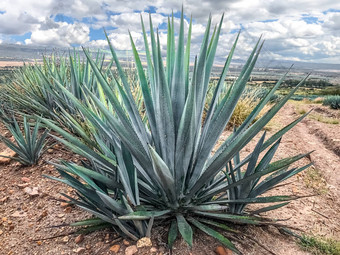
x=29, y=206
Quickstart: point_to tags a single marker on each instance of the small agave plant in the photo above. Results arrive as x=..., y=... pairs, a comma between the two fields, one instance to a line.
x=163, y=168
x=28, y=144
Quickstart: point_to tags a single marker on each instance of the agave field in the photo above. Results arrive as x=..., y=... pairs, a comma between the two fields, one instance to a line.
x=101, y=157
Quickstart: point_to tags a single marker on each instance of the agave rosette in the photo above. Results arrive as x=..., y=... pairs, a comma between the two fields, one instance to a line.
x=159, y=164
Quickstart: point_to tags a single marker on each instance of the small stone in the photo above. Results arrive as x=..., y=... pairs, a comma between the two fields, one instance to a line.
x=39, y=243
x=18, y=214
x=61, y=215
x=4, y=219
x=43, y=214
x=153, y=250
x=25, y=179
x=1, y=232
x=126, y=242
x=23, y=185
x=131, y=250
x=79, y=250
x=220, y=250
x=32, y=192
x=68, y=209
x=7, y=153
x=115, y=248
x=107, y=236
x=65, y=239
x=144, y=242
x=79, y=239
x=2, y=200
x=57, y=146
x=99, y=244
x=64, y=204
x=50, y=150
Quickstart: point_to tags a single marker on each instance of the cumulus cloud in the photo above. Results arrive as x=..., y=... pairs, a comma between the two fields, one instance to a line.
x=297, y=29
x=63, y=35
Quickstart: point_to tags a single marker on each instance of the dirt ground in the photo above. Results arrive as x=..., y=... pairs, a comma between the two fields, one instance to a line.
x=26, y=220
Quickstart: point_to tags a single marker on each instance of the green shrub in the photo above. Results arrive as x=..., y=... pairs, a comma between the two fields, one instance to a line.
x=332, y=101
x=161, y=167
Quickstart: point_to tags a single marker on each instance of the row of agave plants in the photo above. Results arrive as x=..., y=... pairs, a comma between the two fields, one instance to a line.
x=148, y=141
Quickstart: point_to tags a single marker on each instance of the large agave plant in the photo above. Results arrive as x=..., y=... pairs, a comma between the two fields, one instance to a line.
x=163, y=168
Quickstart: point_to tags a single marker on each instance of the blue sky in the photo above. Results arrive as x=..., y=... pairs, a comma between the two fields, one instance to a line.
x=298, y=30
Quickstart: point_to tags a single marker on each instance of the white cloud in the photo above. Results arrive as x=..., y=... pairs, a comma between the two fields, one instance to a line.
x=62, y=36
x=290, y=35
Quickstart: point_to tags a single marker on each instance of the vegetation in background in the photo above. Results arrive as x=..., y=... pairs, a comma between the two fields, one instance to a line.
x=147, y=148
x=320, y=246
x=249, y=99
x=311, y=83
x=323, y=119
x=332, y=101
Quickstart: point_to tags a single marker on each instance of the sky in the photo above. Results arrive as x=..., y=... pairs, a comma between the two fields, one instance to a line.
x=294, y=30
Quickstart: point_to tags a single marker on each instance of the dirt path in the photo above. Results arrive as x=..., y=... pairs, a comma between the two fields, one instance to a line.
x=25, y=220
x=318, y=215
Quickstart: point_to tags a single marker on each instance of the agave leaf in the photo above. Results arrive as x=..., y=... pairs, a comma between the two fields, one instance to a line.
x=218, y=89
x=144, y=215
x=220, y=119
x=185, y=229
x=111, y=203
x=129, y=103
x=271, y=182
x=269, y=208
x=164, y=115
x=178, y=79
x=149, y=104
x=88, y=222
x=211, y=207
x=163, y=174
x=187, y=59
x=172, y=234
x=271, y=168
x=230, y=217
x=214, y=234
x=99, y=215
x=271, y=199
x=219, y=225
x=227, y=150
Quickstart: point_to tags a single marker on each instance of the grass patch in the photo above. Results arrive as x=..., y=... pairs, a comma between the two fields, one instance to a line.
x=300, y=106
x=323, y=119
x=302, y=111
x=313, y=179
x=273, y=125
x=320, y=246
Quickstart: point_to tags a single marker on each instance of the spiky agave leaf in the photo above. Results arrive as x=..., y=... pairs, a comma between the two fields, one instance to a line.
x=27, y=144
x=162, y=167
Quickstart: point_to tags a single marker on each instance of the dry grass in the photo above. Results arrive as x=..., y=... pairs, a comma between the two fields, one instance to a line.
x=314, y=180
x=243, y=108
x=318, y=100
x=323, y=119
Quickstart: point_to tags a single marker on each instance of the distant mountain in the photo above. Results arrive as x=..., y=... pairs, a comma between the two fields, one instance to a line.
x=15, y=52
